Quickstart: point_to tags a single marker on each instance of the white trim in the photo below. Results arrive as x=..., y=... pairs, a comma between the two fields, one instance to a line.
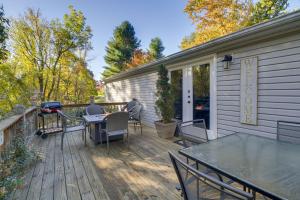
x=213, y=132
x=186, y=66
x=191, y=62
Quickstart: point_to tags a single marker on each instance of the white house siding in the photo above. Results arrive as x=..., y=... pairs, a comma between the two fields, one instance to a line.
x=278, y=86
x=141, y=87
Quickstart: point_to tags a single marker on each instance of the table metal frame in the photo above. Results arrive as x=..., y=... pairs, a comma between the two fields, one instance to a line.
x=232, y=177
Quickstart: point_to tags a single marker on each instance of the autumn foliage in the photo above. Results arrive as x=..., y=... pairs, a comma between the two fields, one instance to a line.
x=215, y=18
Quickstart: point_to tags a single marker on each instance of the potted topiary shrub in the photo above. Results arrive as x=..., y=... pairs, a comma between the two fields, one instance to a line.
x=164, y=105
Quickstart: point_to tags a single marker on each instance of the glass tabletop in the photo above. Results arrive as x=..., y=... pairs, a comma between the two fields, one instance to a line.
x=267, y=165
x=94, y=118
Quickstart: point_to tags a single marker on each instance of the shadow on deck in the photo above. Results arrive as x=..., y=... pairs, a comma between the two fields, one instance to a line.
x=141, y=171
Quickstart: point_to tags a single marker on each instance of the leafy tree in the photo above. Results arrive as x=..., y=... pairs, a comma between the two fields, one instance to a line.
x=42, y=47
x=139, y=57
x=3, y=34
x=267, y=9
x=120, y=49
x=214, y=19
x=156, y=48
x=217, y=18
x=13, y=89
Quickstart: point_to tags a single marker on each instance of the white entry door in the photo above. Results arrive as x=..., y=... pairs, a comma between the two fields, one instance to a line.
x=187, y=94
x=193, y=87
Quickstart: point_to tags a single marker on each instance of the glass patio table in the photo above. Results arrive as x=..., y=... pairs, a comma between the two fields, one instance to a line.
x=267, y=166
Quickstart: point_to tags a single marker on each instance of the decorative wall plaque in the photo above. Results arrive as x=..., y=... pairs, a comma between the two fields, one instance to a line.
x=248, y=94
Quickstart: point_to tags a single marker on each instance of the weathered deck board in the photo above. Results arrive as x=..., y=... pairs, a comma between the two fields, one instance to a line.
x=60, y=191
x=47, y=191
x=73, y=191
x=141, y=171
x=21, y=193
x=91, y=173
x=82, y=179
x=37, y=178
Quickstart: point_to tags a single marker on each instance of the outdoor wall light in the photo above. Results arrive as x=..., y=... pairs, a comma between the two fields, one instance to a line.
x=226, y=61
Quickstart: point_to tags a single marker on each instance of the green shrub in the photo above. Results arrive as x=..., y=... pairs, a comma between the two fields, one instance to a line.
x=165, y=98
x=13, y=163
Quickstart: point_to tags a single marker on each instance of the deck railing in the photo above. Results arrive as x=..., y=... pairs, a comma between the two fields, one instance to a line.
x=28, y=123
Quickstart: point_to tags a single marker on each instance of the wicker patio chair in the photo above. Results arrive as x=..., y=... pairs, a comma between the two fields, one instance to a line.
x=288, y=131
x=116, y=124
x=135, y=116
x=197, y=185
x=130, y=105
x=71, y=124
x=94, y=109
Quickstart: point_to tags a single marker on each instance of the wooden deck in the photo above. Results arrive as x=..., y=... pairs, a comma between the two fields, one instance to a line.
x=141, y=171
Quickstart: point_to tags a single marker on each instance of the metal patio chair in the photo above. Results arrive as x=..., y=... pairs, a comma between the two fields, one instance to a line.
x=116, y=124
x=199, y=186
x=71, y=124
x=135, y=116
x=288, y=131
x=193, y=131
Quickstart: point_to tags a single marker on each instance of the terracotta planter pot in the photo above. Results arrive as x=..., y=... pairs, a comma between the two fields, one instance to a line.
x=165, y=130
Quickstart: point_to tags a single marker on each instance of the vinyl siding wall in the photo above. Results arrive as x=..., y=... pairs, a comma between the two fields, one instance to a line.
x=141, y=87
x=278, y=87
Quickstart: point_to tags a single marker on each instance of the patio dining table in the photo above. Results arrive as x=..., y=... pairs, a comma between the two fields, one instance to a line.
x=94, y=118
x=264, y=165
x=97, y=132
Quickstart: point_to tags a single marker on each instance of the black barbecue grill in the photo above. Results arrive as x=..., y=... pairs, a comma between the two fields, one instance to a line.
x=50, y=107
x=49, y=118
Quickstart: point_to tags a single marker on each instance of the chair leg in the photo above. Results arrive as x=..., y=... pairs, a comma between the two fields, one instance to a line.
x=62, y=141
x=107, y=143
x=127, y=139
x=84, y=136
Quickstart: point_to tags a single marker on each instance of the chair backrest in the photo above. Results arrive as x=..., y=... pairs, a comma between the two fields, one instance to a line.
x=135, y=112
x=131, y=104
x=64, y=118
x=195, y=130
x=94, y=109
x=197, y=185
x=288, y=131
x=117, y=121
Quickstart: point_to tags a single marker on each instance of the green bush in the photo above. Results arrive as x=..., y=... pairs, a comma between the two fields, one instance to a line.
x=165, y=98
x=13, y=163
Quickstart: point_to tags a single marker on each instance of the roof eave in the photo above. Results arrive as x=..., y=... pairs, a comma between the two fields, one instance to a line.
x=273, y=28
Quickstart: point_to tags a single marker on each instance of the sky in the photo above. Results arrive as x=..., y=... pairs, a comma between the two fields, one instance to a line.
x=150, y=18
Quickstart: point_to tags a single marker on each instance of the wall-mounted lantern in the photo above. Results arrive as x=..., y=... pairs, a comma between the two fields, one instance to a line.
x=226, y=61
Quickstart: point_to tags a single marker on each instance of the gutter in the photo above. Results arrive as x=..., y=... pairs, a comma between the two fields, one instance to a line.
x=273, y=28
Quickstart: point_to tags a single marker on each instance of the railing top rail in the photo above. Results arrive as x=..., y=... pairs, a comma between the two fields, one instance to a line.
x=8, y=122
x=101, y=104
